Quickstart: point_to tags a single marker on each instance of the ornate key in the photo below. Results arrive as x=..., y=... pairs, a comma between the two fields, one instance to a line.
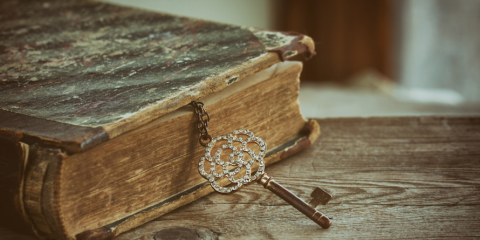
x=238, y=157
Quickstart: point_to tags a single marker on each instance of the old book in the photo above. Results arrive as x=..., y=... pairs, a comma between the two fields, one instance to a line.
x=95, y=133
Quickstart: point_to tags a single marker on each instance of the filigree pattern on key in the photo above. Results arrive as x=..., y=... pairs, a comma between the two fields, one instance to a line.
x=233, y=165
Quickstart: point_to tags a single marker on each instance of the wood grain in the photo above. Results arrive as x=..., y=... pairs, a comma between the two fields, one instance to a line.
x=411, y=177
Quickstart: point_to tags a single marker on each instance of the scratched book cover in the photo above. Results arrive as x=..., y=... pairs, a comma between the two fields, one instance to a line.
x=89, y=63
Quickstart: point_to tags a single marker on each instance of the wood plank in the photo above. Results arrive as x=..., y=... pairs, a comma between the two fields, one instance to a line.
x=350, y=221
x=415, y=177
x=412, y=177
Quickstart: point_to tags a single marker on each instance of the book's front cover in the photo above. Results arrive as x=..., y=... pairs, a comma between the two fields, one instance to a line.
x=93, y=64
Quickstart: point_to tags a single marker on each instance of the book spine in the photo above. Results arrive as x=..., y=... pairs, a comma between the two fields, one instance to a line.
x=12, y=166
x=40, y=192
x=27, y=187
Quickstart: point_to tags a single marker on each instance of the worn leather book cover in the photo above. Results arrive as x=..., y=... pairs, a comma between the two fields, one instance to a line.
x=86, y=85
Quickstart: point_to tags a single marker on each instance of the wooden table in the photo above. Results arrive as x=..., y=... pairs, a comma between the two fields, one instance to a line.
x=410, y=177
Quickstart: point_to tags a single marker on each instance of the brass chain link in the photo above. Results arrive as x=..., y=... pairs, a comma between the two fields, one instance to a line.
x=202, y=123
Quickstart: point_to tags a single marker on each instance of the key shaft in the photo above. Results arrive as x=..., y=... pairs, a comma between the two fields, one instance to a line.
x=295, y=201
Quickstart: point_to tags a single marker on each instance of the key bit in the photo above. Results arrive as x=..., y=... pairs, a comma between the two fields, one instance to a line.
x=319, y=197
x=295, y=201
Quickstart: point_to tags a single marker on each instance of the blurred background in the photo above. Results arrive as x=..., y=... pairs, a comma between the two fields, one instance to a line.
x=374, y=57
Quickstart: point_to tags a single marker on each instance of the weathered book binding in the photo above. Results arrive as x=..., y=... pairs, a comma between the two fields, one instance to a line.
x=86, y=94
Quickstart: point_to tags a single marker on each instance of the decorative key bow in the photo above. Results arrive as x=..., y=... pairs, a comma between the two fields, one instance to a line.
x=232, y=167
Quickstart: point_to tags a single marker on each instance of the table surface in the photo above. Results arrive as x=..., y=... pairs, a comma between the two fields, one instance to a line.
x=407, y=177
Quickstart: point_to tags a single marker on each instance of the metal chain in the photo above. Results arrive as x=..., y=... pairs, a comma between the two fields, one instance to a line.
x=202, y=123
